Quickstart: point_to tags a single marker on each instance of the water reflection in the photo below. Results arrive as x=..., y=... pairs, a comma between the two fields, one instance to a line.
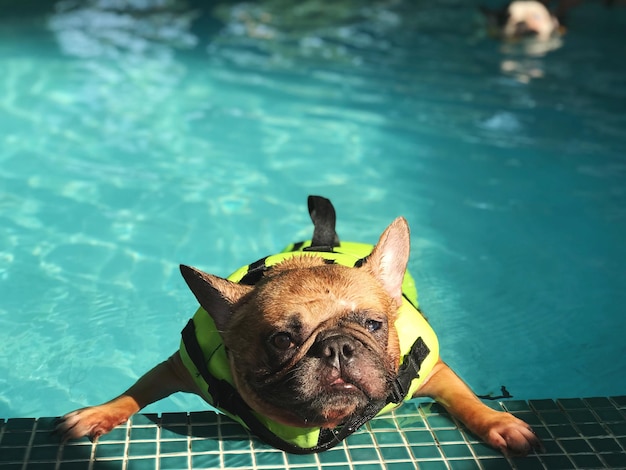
x=278, y=31
x=105, y=28
x=525, y=60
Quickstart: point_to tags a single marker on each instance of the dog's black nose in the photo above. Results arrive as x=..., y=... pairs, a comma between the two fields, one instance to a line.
x=337, y=350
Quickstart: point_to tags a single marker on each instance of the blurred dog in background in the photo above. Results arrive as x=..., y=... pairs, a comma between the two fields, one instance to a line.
x=523, y=19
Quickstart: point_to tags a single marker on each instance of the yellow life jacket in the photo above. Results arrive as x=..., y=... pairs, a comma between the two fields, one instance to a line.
x=203, y=353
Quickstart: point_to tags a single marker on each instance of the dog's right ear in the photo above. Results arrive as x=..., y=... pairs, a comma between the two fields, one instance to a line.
x=390, y=256
x=215, y=294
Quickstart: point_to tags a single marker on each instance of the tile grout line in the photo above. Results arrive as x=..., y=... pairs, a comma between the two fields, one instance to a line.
x=622, y=412
x=220, y=441
x=607, y=430
x=435, y=438
x=128, y=425
x=30, y=444
x=286, y=460
x=377, y=445
x=546, y=425
x=405, y=441
x=464, y=433
x=346, y=451
x=575, y=425
x=58, y=456
x=158, y=443
x=252, y=452
x=316, y=457
x=189, y=431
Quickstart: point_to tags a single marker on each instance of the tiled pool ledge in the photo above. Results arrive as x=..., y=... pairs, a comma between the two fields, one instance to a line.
x=577, y=433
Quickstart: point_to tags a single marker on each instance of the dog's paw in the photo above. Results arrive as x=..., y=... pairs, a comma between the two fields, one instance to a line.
x=512, y=436
x=92, y=422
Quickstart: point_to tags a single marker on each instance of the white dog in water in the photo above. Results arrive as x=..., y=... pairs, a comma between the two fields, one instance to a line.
x=523, y=19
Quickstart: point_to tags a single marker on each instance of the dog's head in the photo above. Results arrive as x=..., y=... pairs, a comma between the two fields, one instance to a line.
x=312, y=343
x=523, y=19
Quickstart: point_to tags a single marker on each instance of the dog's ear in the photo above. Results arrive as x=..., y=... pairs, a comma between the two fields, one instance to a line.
x=390, y=256
x=216, y=295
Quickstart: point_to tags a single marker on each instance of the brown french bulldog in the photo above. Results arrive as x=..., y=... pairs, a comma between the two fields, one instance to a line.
x=313, y=342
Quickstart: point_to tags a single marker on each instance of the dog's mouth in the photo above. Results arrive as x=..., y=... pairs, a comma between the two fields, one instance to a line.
x=338, y=375
x=342, y=389
x=341, y=385
x=330, y=407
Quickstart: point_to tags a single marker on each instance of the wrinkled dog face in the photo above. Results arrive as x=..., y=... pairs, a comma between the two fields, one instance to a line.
x=323, y=346
x=312, y=343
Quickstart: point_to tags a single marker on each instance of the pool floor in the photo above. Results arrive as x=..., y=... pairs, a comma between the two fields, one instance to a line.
x=578, y=433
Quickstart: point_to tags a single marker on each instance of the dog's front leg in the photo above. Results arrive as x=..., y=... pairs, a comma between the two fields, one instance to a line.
x=501, y=430
x=166, y=378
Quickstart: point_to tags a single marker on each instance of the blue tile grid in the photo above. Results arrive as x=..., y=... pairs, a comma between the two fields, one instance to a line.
x=578, y=433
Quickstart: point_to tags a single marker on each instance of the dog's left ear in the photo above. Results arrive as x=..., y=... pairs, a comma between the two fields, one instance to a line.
x=215, y=294
x=390, y=256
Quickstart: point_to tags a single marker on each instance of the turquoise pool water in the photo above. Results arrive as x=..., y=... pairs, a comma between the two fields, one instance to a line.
x=136, y=139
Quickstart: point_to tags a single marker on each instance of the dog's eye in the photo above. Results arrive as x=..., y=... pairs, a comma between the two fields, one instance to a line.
x=373, y=325
x=282, y=341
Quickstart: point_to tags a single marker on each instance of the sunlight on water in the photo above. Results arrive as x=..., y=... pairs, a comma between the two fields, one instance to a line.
x=138, y=135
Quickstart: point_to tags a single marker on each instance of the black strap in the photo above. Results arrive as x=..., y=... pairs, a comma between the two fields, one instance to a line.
x=323, y=216
x=254, y=273
x=197, y=356
x=226, y=397
x=408, y=371
x=324, y=237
